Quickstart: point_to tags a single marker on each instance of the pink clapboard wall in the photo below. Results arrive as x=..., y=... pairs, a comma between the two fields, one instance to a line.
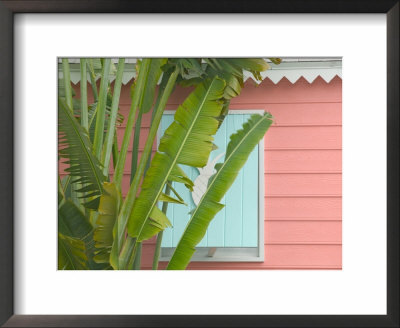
x=303, y=173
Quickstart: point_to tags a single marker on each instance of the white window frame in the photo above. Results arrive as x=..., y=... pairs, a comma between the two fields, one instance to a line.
x=231, y=254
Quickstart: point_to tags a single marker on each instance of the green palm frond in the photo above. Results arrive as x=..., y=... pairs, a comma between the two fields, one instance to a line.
x=188, y=140
x=239, y=148
x=76, y=147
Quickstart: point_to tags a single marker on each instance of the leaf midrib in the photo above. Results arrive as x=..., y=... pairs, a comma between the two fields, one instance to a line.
x=177, y=156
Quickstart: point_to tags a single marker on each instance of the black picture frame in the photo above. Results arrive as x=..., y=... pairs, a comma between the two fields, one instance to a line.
x=10, y=7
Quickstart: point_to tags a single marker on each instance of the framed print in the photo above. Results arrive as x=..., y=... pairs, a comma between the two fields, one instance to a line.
x=261, y=155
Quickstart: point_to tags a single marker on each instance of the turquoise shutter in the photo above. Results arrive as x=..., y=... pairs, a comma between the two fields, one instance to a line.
x=236, y=225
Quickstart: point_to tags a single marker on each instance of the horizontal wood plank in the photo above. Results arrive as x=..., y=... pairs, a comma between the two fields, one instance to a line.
x=306, y=113
x=303, y=160
x=285, y=232
x=276, y=257
x=303, y=184
x=303, y=207
x=318, y=137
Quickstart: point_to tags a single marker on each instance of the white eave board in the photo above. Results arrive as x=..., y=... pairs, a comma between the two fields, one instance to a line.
x=290, y=68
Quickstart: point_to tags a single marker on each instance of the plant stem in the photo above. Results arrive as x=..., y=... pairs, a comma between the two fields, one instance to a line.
x=67, y=84
x=84, y=104
x=149, y=158
x=92, y=76
x=135, y=147
x=128, y=252
x=160, y=234
x=135, y=150
x=115, y=150
x=161, y=89
x=119, y=168
x=137, y=259
x=101, y=109
x=107, y=148
x=128, y=203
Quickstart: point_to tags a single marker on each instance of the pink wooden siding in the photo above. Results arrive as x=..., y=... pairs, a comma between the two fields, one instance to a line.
x=303, y=180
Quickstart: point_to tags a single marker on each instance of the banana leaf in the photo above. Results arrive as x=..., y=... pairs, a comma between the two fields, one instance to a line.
x=231, y=70
x=236, y=66
x=71, y=253
x=156, y=222
x=188, y=140
x=73, y=242
x=127, y=206
x=108, y=212
x=239, y=148
x=72, y=223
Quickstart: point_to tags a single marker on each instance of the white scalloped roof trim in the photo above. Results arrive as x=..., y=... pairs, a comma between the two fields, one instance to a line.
x=292, y=69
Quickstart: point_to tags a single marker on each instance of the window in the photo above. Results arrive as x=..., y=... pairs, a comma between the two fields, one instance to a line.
x=236, y=232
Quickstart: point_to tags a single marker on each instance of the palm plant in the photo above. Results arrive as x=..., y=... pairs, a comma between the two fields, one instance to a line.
x=98, y=229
